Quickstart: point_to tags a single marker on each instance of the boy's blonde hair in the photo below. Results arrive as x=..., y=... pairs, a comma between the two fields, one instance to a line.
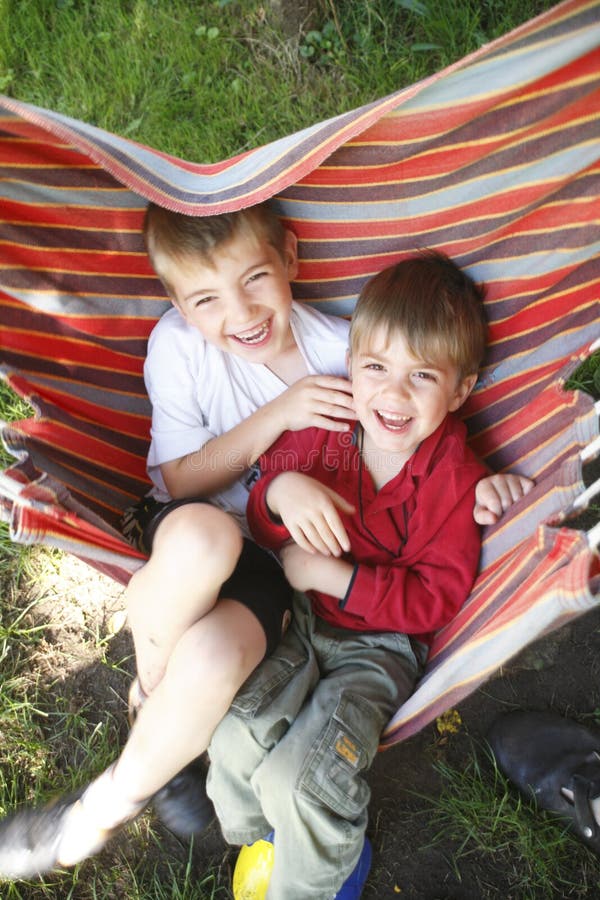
x=179, y=237
x=436, y=307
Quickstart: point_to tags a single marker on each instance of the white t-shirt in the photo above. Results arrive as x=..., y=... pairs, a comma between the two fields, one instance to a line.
x=199, y=392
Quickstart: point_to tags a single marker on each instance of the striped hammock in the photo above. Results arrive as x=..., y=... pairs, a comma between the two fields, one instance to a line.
x=495, y=160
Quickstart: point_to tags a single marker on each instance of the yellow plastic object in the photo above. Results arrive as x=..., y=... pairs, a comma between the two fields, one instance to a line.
x=253, y=871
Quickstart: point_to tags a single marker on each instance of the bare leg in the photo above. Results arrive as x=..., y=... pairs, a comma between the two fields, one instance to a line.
x=206, y=669
x=195, y=550
x=193, y=654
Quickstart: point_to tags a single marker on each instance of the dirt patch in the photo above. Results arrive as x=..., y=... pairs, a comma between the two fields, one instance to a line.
x=85, y=624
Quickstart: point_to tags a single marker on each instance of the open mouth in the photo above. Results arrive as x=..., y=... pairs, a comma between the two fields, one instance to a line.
x=393, y=421
x=254, y=336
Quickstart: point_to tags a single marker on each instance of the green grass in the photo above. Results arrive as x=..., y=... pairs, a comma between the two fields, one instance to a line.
x=587, y=377
x=205, y=81
x=125, y=877
x=477, y=810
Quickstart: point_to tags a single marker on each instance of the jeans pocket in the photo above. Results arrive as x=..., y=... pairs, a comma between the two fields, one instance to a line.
x=267, y=681
x=333, y=769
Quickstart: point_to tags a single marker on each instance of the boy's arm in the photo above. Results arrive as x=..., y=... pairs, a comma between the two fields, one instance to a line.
x=289, y=505
x=315, y=401
x=416, y=593
x=414, y=597
x=422, y=591
x=291, y=502
x=315, y=572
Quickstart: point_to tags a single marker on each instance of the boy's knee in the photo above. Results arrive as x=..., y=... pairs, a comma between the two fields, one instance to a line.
x=200, y=536
x=208, y=660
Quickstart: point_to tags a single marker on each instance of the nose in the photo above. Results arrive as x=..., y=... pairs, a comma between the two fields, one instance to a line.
x=398, y=388
x=240, y=307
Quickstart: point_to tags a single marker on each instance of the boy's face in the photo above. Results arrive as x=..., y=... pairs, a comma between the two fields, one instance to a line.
x=399, y=399
x=241, y=303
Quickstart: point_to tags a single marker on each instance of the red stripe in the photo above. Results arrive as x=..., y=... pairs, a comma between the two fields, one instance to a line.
x=533, y=285
x=75, y=260
x=60, y=524
x=105, y=218
x=552, y=308
x=68, y=351
x=17, y=153
x=487, y=395
x=78, y=444
x=508, y=201
x=452, y=156
x=97, y=326
x=522, y=422
x=137, y=426
x=431, y=122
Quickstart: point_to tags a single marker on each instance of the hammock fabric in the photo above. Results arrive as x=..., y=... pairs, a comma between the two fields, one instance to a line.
x=495, y=160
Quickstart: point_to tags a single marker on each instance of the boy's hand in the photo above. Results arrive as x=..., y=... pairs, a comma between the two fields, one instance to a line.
x=317, y=401
x=494, y=494
x=312, y=571
x=311, y=513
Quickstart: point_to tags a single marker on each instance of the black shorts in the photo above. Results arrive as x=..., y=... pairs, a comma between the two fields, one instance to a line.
x=257, y=581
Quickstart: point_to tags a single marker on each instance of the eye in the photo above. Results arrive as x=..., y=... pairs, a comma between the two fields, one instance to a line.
x=256, y=276
x=425, y=376
x=374, y=367
x=202, y=301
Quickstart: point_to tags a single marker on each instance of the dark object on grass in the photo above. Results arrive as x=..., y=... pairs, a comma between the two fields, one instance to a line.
x=554, y=761
x=183, y=805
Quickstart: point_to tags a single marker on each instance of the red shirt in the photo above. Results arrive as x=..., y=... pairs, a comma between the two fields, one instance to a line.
x=415, y=544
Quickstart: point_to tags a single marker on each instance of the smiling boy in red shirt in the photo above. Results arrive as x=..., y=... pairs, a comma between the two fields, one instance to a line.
x=376, y=526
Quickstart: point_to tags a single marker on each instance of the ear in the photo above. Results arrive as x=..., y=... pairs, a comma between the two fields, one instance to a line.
x=290, y=253
x=462, y=392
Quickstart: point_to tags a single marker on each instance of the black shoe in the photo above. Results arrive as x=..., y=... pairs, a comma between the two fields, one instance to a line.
x=555, y=762
x=183, y=804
